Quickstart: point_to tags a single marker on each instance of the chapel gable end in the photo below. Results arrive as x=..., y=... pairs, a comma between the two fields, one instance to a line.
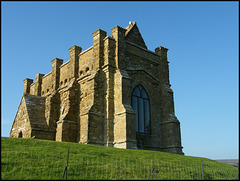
x=133, y=35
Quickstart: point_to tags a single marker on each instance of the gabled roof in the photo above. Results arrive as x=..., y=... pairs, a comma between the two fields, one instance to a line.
x=133, y=35
x=33, y=109
x=36, y=110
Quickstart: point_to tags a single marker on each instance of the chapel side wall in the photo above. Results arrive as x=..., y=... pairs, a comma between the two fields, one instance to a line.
x=46, y=92
x=92, y=61
x=109, y=66
x=151, y=140
x=141, y=59
x=32, y=87
x=68, y=92
x=67, y=124
x=124, y=136
x=92, y=86
x=66, y=74
x=91, y=118
x=85, y=62
x=170, y=125
x=97, y=112
x=124, y=117
x=85, y=104
x=142, y=67
x=47, y=85
x=86, y=94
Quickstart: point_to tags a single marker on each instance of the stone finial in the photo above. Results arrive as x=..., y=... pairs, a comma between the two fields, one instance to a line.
x=57, y=61
x=118, y=33
x=38, y=84
x=99, y=32
x=27, y=83
x=98, y=47
x=74, y=51
x=38, y=77
x=132, y=22
x=98, y=35
x=161, y=48
x=117, y=30
x=74, y=57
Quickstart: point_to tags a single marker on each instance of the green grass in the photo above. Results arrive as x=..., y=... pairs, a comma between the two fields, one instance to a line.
x=43, y=159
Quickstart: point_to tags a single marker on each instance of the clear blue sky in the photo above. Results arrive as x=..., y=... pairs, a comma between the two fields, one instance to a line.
x=203, y=43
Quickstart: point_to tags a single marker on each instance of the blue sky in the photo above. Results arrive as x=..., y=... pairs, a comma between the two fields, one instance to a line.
x=203, y=42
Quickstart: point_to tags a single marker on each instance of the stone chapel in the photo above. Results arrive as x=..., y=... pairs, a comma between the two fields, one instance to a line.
x=114, y=94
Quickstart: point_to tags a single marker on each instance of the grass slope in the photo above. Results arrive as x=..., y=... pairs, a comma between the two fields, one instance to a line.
x=43, y=159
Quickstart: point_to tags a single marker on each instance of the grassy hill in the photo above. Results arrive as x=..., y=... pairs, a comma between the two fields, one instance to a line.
x=43, y=159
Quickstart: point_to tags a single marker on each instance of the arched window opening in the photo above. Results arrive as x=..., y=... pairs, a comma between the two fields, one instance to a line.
x=20, y=134
x=141, y=106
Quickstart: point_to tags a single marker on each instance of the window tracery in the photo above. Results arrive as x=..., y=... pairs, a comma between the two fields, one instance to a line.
x=141, y=106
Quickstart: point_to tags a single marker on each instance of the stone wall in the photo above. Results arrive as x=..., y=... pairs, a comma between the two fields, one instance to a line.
x=47, y=85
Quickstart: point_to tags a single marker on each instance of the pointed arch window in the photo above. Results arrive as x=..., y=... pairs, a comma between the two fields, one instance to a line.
x=141, y=106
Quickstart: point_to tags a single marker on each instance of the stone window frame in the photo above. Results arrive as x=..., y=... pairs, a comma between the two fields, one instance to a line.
x=147, y=126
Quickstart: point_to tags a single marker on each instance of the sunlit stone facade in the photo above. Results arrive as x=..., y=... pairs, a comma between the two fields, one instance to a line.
x=115, y=94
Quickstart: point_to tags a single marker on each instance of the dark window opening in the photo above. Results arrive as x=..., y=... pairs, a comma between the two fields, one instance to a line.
x=20, y=134
x=141, y=106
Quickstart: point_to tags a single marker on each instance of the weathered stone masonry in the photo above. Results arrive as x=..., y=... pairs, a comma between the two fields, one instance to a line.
x=91, y=98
